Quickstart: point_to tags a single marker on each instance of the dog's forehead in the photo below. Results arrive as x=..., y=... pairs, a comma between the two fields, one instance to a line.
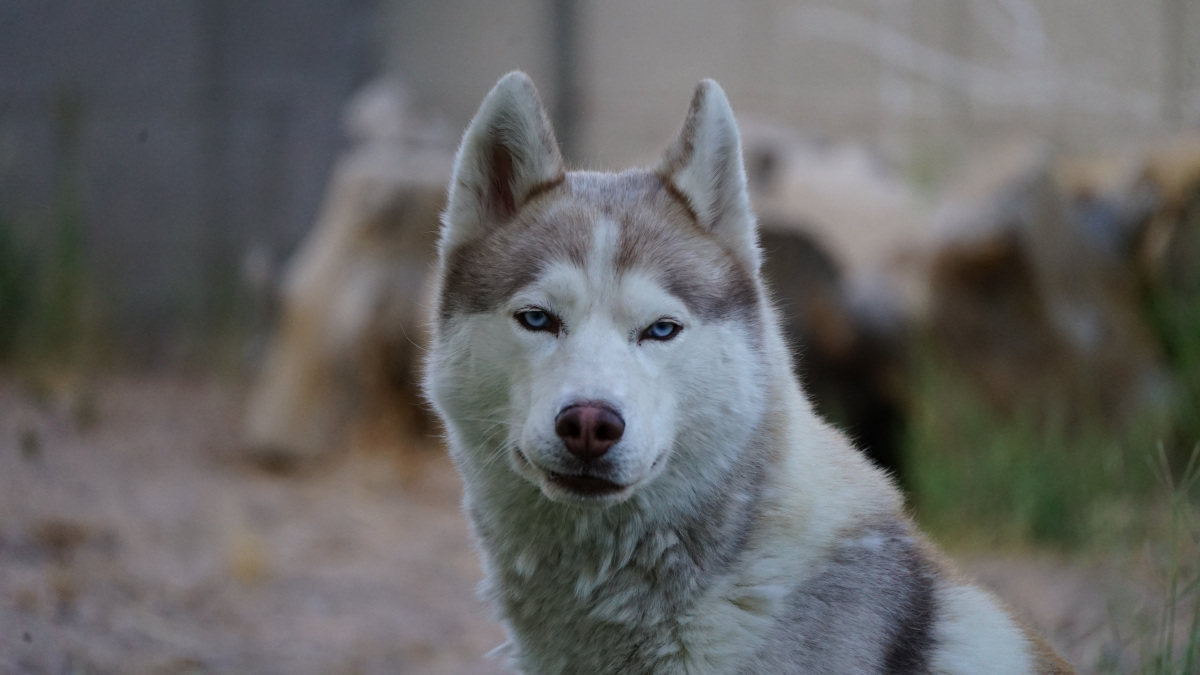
x=657, y=234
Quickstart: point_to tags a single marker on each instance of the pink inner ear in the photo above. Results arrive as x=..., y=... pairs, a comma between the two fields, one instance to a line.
x=704, y=162
x=508, y=156
x=500, y=199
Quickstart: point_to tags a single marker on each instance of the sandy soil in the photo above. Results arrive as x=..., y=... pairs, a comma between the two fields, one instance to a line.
x=133, y=540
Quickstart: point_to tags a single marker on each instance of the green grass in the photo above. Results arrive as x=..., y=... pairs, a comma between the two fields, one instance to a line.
x=1057, y=474
x=1123, y=493
x=985, y=481
x=16, y=290
x=1168, y=654
x=1031, y=477
x=51, y=307
x=1165, y=634
x=1173, y=314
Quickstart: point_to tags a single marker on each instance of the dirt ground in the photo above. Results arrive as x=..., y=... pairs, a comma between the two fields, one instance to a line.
x=132, y=540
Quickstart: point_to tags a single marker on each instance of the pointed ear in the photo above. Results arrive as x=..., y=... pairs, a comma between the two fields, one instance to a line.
x=705, y=165
x=508, y=154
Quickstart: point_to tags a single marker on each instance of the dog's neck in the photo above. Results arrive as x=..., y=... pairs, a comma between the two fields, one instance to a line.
x=573, y=580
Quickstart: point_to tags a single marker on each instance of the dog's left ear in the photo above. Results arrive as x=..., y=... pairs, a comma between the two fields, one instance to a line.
x=508, y=154
x=705, y=164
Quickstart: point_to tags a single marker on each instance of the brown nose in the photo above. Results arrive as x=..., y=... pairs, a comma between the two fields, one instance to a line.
x=589, y=429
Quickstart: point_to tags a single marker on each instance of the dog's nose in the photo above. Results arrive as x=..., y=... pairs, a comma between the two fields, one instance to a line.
x=589, y=429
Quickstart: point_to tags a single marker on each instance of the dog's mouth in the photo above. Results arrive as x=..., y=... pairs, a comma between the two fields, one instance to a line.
x=584, y=485
x=577, y=485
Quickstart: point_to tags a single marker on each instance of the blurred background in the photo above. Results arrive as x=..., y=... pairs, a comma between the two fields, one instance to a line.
x=981, y=220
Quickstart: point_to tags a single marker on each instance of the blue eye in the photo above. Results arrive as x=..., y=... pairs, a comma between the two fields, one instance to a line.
x=538, y=320
x=662, y=330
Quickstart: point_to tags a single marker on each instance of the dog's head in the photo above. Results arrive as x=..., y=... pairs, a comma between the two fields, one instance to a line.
x=596, y=331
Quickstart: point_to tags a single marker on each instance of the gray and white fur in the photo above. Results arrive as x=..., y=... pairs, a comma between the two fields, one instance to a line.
x=650, y=489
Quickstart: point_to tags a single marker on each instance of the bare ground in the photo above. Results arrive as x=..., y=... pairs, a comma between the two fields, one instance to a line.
x=133, y=540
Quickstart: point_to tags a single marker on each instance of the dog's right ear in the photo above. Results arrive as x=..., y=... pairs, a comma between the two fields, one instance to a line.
x=508, y=154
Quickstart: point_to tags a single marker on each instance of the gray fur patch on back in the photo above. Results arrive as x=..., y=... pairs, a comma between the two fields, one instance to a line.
x=869, y=610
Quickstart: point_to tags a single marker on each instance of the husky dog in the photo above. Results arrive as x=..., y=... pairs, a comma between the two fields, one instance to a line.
x=650, y=488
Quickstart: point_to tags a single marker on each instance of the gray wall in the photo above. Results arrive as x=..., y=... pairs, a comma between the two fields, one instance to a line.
x=907, y=76
x=187, y=132
x=192, y=131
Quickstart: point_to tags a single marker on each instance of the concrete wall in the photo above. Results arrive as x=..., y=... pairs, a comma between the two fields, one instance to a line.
x=187, y=132
x=903, y=75
x=452, y=51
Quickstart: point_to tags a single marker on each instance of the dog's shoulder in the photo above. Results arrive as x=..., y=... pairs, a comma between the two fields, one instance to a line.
x=864, y=586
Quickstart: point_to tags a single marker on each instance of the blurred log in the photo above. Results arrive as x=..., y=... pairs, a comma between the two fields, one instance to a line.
x=347, y=347
x=345, y=355
x=864, y=214
x=1167, y=243
x=851, y=368
x=836, y=228
x=1032, y=303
